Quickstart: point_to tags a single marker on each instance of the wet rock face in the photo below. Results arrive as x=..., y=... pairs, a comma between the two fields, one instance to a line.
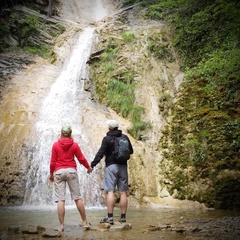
x=18, y=112
x=13, y=174
x=11, y=63
x=157, y=85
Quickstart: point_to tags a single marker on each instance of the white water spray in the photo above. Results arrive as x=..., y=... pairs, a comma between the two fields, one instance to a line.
x=62, y=105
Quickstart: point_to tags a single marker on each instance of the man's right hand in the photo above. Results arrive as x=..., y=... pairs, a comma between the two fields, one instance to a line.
x=89, y=170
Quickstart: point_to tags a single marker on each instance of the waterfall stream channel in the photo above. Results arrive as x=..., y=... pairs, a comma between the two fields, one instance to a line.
x=62, y=104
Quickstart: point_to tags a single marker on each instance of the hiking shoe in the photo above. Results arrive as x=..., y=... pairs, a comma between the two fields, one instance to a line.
x=107, y=220
x=122, y=220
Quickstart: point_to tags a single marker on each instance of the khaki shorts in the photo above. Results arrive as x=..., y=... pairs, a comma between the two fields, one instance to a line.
x=115, y=176
x=63, y=177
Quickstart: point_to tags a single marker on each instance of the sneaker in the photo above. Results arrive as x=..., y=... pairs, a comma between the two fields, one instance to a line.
x=107, y=220
x=122, y=220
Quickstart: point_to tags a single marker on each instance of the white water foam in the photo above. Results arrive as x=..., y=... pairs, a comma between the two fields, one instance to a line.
x=63, y=105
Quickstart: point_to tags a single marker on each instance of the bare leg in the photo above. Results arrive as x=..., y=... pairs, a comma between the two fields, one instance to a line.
x=61, y=213
x=110, y=202
x=123, y=202
x=81, y=209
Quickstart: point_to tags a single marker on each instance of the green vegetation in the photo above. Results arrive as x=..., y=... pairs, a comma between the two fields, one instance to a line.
x=115, y=85
x=128, y=37
x=159, y=47
x=22, y=27
x=26, y=30
x=205, y=129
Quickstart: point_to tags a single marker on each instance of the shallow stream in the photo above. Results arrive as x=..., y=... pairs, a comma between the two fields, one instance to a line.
x=140, y=219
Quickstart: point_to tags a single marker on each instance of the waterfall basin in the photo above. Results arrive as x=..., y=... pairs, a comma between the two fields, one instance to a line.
x=147, y=223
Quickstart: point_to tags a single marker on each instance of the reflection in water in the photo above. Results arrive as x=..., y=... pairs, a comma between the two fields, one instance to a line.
x=62, y=105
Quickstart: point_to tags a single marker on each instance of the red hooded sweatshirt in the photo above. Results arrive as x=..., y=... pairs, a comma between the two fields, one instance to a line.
x=63, y=153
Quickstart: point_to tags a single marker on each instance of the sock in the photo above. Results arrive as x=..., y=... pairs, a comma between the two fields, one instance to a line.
x=110, y=215
x=123, y=215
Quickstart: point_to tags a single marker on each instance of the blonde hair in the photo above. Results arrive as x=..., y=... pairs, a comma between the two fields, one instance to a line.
x=66, y=131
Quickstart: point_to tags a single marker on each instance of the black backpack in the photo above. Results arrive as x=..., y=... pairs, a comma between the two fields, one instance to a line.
x=121, y=150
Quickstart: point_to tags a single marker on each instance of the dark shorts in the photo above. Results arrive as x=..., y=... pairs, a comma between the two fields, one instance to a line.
x=115, y=176
x=63, y=177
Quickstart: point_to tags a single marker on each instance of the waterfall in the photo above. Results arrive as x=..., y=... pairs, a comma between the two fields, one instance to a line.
x=63, y=105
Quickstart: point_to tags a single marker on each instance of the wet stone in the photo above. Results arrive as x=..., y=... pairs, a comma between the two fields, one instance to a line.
x=154, y=228
x=121, y=226
x=104, y=225
x=196, y=229
x=180, y=230
x=30, y=229
x=40, y=228
x=14, y=229
x=50, y=233
x=115, y=227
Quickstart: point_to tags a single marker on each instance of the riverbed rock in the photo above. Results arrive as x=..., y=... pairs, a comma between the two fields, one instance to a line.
x=121, y=226
x=30, y=229
x=105, y=225
x=50, y=233
x=14, y=229
x=117, y=226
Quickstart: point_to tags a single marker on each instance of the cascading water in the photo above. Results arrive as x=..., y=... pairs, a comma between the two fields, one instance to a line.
x=63, y=105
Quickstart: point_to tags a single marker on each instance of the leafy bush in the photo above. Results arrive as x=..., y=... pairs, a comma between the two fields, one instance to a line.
x=24, y=30
x=22, y=27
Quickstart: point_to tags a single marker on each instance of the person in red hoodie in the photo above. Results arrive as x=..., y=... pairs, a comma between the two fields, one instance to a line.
x=63, y=169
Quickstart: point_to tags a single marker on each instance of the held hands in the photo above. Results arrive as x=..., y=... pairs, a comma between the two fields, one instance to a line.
x=89, y=170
